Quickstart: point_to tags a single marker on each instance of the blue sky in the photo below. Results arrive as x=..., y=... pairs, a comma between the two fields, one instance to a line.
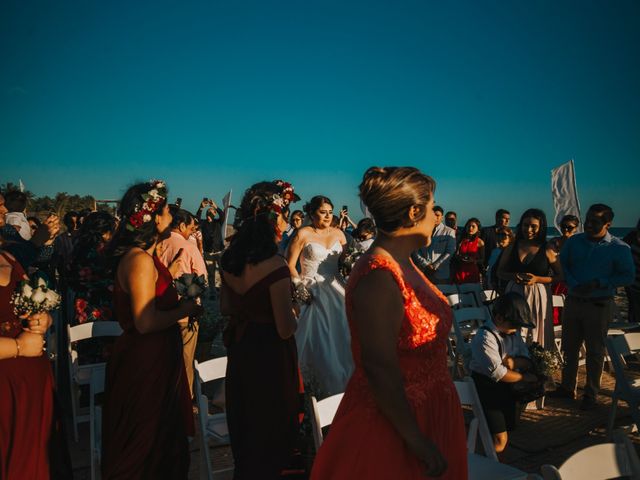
x=485, y=96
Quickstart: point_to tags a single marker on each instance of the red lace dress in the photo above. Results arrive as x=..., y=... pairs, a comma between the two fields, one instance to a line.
x=147, y=407
x=468, y=272
x=26, y=400
x=362, y=443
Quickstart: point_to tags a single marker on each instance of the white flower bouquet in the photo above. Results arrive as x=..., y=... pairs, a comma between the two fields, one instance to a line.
x=33, y=296
x=192, y=286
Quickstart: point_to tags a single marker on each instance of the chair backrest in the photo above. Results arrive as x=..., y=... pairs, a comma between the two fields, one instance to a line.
x=85, y=331
x=469, y=397
x=598, y=462
x=474, y=288
x=211, y=369
x=488, y=295
x=94, y=329
x=322, y=413
x=447, y=289
x=558, y=301
x=462, y=300
x=473, y=314
x=620, y=346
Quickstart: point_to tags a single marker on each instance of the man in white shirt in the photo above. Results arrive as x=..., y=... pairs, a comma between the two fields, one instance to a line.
x=16, y=203
x=434, y=259
x=498, y=358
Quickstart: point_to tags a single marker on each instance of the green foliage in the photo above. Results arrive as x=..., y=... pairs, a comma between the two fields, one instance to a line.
x=60, y=204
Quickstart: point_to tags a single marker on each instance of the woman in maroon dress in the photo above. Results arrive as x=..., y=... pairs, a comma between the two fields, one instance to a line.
x=262, y=372
x=147, y=410
x=26, y=385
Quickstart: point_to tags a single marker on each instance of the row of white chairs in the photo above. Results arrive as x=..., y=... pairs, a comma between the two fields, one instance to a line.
x=598, y=462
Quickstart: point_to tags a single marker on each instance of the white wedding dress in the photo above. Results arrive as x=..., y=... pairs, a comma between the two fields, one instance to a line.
x=323, y=339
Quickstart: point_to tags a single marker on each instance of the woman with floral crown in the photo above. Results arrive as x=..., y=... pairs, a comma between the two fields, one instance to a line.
x=262, y=373
x=147, y=408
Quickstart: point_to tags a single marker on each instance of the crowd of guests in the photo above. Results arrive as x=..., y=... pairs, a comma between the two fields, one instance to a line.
x=295, y=325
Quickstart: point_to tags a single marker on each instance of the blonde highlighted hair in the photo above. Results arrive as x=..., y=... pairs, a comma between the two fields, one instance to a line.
x=389, y=193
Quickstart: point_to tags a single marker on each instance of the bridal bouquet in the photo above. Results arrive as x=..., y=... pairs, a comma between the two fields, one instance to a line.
x=545, y=362
x=190, y=285
x=300, y=293
x=33, y=296
x=347, y=261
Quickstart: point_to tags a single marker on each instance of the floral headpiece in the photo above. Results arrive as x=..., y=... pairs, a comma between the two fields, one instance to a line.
x=280, y=201
x=152, y=200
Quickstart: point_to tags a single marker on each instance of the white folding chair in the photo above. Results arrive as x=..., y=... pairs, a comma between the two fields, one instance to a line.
x=212, y=426
x=598, y=462
x=488, y=295
x=447, y=288
x=620, y=346
x=487, y=465
x=474, y=289
x=96, y=386
x=462, y=300
x=466, y=322
x=81, y=374
x=322, y=413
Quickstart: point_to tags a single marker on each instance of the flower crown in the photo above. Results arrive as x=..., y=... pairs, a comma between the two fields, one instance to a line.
x=271, y=204
x=280, y=201
x=152, y=200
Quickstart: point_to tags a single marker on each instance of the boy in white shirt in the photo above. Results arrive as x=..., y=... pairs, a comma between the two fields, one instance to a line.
x=499, y=359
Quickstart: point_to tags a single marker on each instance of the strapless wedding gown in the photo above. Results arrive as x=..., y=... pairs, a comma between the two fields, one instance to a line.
x=323, y=339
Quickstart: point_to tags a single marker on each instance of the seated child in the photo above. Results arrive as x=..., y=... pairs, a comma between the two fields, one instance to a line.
x=500, y=358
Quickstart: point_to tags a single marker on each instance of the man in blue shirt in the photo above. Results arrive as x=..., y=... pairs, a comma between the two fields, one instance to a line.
x=434, y=260
x=594, y=264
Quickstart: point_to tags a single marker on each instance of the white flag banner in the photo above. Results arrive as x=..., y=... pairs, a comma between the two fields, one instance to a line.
x=365, y=210
x=21, y=185
x=226, y=202
x=565, y=193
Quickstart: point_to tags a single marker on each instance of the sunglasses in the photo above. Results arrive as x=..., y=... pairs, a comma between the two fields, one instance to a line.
x=568, y=228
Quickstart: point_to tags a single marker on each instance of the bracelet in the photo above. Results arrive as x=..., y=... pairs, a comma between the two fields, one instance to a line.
x=17, y=348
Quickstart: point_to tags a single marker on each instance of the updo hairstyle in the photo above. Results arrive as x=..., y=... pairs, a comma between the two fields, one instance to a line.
x=390, y=192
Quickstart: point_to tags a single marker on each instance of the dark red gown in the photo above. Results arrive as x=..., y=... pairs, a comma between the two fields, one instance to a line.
x=147, y=409
x=262, y=384
x=26, y=400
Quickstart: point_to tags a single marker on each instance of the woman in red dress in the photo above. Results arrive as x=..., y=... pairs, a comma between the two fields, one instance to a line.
x=147, y=408
x=400, y=416
x=26, y=385
x=470, y=254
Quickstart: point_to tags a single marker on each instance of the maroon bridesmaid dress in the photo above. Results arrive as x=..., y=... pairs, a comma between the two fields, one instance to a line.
x=26, y=400
x=147, y=409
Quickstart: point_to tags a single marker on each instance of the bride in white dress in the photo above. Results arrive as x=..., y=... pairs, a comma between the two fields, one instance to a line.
x=324, y=351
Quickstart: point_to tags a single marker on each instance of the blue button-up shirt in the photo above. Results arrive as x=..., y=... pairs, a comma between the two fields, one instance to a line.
x=438, y=253
x=608, y=261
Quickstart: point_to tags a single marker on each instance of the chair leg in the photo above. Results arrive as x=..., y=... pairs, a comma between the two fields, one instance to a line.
x=635, y=414
x=74, y=410
x=612, y=415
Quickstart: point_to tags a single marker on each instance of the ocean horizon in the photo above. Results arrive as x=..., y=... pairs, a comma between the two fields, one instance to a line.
x=619, y=232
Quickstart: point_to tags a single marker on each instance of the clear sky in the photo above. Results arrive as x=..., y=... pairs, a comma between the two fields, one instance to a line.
x=485, y=96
